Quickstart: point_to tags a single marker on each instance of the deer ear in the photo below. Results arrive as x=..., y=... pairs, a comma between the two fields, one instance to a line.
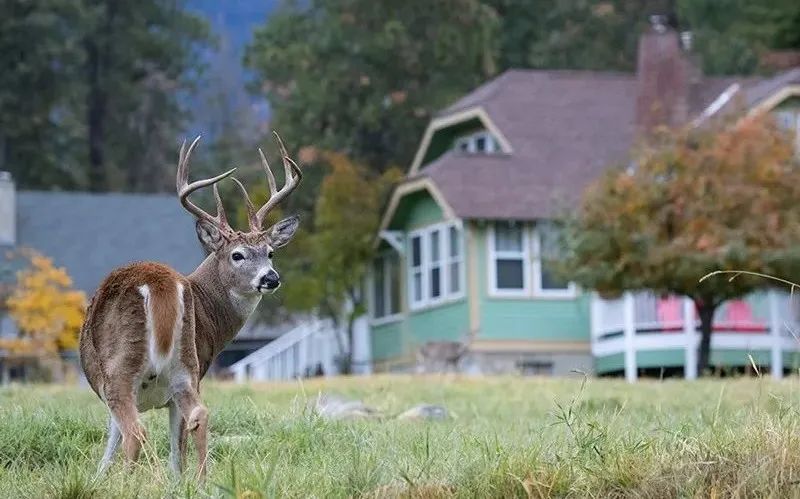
x=209, y=235
x=281, y=233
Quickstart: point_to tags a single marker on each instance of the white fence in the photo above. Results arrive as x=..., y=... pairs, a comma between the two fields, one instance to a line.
x=646, y=322
x=301, y=352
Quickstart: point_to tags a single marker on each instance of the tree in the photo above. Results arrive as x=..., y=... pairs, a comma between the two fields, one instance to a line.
x=48, y=312
x=39, y=53
x=94, y=93
x=732, y=35
x=363, y=77
x=552, y=34
x=697, y=201
x=138, y=58
x=329, y=258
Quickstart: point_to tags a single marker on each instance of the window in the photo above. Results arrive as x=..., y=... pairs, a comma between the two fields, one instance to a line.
x=509, y=259
x=480, y=142
x=416, y=275
x=547, y=250
x=435, y=265
x=455, y=260
x=511, y=264
x=385, y=286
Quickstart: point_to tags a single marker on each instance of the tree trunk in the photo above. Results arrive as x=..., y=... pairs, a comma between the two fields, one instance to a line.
x=95, y=117
x=705, y=310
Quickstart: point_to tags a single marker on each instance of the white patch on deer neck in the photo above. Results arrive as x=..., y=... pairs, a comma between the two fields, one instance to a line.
x=244, y=304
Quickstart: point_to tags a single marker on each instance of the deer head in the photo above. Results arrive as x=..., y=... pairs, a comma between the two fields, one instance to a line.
x=243, y=259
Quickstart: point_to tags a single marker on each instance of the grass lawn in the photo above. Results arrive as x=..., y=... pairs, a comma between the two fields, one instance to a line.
x=509, y=437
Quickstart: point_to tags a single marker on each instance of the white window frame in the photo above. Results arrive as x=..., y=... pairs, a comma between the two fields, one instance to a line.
x=386, y=259
x=571, y=291
x=425, y=235
x=471, y=142
x=458, y=259
x=413, y=303
x=495, y=255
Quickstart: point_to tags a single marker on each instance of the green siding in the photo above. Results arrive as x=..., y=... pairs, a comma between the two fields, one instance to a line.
x=442, y=140
x=547, y=319
x=790, y=103
x=660, y=358
x=675, y=358
x=739, y=357
x=449, y=321
x=791, y=360
x=387, y=341
x=443, y=322
x=416, y=210
x=609, y=363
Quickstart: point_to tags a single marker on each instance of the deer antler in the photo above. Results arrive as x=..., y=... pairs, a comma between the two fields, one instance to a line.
x=292, y=174
x=185, y=188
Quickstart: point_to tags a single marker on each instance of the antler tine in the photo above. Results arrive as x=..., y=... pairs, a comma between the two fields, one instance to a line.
x=184, y=188
x=292, y=174
x=251, y=211
x=221, y=217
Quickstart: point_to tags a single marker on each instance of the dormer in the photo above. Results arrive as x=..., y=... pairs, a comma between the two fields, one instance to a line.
x=467, y=131
x=480, y=142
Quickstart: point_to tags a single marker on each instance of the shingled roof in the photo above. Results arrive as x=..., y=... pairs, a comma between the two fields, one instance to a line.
x=564, y=129
x=92, y=234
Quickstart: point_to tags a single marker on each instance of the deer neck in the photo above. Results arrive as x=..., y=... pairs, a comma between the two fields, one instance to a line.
x=219, y=312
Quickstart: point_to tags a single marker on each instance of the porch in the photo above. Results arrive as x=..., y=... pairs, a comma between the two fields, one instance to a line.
x=638, y=325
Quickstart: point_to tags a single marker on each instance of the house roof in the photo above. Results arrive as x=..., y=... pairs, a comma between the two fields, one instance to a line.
x=92, y=234
x=564, y=128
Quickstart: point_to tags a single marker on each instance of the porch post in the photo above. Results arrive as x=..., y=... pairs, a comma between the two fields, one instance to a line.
x=630, y=334
x=775, y=330
x=690, y=335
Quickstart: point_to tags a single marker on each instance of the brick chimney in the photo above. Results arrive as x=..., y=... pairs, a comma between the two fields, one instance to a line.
x=8, y=210
x=663, y=75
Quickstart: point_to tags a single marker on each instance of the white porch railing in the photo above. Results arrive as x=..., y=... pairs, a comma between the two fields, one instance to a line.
x=645, y=322
x=298, y=353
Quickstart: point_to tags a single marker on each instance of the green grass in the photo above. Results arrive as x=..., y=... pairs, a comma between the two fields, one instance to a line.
x=510, y=437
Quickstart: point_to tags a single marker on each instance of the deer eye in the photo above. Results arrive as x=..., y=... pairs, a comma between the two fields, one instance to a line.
x=269, y=255
x=236, y=256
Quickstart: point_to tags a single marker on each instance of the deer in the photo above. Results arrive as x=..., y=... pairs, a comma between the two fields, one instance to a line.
x=151, y=333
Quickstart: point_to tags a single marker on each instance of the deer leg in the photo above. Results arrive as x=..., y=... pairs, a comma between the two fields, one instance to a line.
x=114, y=438
x=195, y=415
x=177, y=438
x=126, y=416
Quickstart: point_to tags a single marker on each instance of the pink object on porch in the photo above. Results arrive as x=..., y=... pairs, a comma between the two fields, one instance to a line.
x=739, y=318
x=669, y=313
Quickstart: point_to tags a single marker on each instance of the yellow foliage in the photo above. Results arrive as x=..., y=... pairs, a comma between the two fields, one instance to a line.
x=48, y=312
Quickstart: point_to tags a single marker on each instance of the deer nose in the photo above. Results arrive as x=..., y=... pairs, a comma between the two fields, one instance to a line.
x=270, y=280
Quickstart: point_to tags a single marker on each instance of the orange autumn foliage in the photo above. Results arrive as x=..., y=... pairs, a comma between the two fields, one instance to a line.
x=47, y=311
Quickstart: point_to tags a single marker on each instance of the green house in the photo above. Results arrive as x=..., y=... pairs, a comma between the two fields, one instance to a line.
x=466, y=242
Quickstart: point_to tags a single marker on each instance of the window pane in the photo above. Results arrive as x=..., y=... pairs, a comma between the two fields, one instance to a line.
x=480, y=144
x=550, y=279
x=416, y=251
x=455, y=242
x=378, y=281
x=455, y=277
x=508, y=238
x=417, y=286
x=394, y=286
x=509, y=274
x=550, y=237
x=435, y=246
x=436, y=284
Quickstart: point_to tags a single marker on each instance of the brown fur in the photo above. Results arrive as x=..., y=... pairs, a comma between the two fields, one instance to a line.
x=163, y=304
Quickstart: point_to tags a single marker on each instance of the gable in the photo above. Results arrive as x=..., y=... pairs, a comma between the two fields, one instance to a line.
x=442, y=131
x=415, y=210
